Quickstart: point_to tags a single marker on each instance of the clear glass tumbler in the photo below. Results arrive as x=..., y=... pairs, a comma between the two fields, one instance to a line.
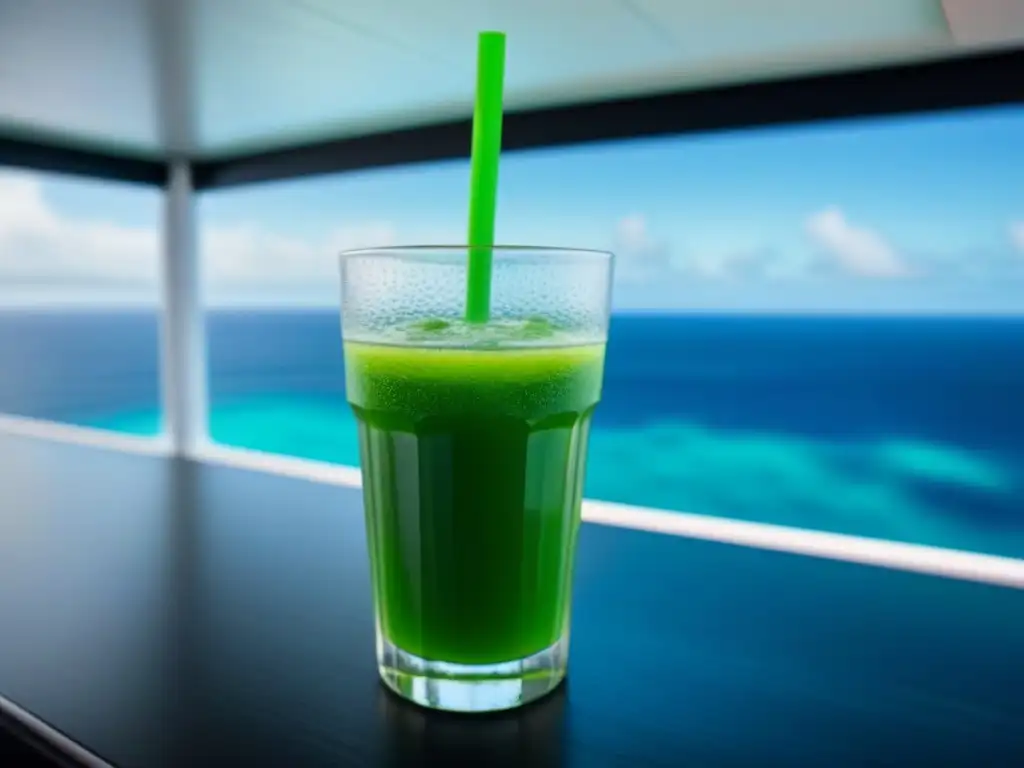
x=473, y=442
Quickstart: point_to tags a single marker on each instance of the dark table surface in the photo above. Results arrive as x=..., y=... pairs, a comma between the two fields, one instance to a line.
x=167, y=613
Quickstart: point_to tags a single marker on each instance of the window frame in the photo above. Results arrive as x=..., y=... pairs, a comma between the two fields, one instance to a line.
x=961, y=82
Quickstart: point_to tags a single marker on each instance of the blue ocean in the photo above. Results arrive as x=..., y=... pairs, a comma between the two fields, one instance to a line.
x=904, y=428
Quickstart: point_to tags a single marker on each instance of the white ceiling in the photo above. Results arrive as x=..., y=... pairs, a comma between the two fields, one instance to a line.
x=205, y=77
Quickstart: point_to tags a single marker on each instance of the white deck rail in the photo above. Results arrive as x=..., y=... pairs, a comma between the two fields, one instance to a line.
x=936, y=561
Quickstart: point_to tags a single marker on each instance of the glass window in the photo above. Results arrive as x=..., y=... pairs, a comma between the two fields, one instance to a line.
x=79, y=264
x=270, y=281
x=816, y=326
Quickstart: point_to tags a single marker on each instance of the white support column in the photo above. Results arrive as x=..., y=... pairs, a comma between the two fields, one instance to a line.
x=183, y=337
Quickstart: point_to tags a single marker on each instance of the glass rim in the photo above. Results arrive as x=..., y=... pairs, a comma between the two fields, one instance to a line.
x=395, y=250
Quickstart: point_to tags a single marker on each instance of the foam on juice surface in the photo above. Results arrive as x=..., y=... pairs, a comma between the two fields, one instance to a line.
x=534, y=331
x=526, y=367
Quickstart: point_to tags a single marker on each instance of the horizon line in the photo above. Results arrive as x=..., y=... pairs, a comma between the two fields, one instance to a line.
x=255, y=308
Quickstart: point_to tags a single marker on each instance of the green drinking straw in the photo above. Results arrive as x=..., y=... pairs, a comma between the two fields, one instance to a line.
x=483, y=180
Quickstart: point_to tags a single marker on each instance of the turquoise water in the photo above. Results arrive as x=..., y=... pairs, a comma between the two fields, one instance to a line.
x=902, y=428
x=865, y=487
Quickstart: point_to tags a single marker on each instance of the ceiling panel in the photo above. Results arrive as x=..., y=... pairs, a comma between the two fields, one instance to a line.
x=742, y=29
x=267, y=68
x=974, y=22
x=79, y=69
x=349, y=67
x=206, y=77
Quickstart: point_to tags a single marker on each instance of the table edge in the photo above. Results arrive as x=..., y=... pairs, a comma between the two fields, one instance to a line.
x=45, y=739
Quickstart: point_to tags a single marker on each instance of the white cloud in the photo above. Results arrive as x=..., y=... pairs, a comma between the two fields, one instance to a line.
x=646, y=259
x=47, y=256
x=39, y=247
x=711, y=264
x=639, y=255
x=249, y=262
x=725, y=264
x=858, y=251
x=1017, y=235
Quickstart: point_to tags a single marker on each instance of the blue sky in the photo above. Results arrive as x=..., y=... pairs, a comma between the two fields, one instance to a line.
x=909, y=214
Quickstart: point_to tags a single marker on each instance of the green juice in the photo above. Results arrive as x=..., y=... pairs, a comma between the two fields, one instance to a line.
x=473, y=465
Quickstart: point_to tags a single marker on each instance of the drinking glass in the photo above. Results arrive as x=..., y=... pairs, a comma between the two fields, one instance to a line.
x=473, y=444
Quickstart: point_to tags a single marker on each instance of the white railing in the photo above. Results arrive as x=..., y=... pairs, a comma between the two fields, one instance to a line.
x=158, y=445
x=936, y=561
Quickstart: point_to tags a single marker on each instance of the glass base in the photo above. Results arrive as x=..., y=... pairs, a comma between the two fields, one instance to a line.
x=472, y=687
